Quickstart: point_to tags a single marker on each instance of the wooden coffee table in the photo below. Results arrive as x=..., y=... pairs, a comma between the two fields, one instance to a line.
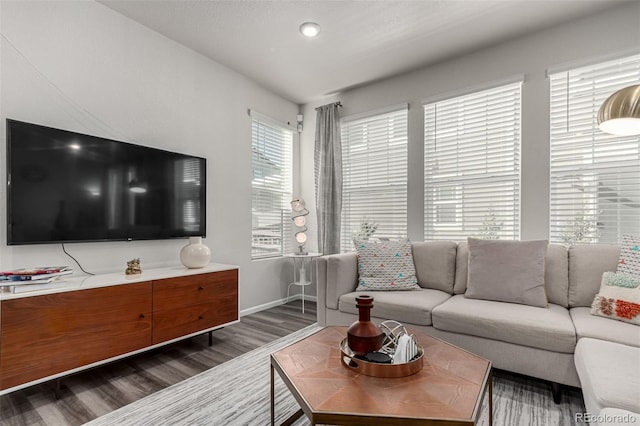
x=453, y=388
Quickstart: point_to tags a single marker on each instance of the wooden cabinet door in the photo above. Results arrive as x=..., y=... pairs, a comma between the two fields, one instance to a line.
x=49, y=334
x=189, y=304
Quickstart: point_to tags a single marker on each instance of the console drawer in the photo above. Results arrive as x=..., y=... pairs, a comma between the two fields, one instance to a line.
x=172, y=293
x=172, y=323
x=49, y=334
x=43, y=336
x=193, y=303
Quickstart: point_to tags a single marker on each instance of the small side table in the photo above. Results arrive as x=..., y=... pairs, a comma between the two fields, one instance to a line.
x=301, y=279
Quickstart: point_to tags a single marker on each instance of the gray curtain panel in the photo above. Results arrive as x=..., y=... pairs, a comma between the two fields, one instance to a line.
x=328, y=177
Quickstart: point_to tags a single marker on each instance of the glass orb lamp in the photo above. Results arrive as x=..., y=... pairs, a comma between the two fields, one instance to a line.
x=298, y=216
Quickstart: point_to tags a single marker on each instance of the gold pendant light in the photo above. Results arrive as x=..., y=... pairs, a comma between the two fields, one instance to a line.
x=620, y=113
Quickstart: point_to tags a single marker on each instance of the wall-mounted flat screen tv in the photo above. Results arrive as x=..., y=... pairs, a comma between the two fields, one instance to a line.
x=64, y=186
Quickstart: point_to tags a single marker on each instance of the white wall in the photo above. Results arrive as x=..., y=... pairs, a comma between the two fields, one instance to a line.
x=80, y=66
x=592, y=38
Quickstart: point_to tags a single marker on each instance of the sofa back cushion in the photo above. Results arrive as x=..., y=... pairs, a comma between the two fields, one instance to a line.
x=587, y=263
x=462, y=268
x=435, y=263
x=556, y=273
x=507, y=271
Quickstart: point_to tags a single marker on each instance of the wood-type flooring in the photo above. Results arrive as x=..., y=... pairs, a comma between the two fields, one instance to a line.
x=84, y=396
x=236, y=393
x=518, y=400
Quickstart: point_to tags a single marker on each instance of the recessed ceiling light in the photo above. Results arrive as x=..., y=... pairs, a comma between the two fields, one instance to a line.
x=310, y=29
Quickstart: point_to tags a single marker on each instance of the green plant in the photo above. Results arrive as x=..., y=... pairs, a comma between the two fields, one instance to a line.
x=491, y=227
x=367, y=229
x=581, y=230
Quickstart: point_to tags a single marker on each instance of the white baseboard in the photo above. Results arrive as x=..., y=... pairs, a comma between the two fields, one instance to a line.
x=275, y=303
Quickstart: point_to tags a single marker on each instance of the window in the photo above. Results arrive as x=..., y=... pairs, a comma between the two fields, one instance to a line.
x=374, y=189
x=594, y=177
x=188, y=178
x=271, y=187
x=472, y=165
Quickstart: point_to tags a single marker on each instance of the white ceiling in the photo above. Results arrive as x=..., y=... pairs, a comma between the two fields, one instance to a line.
x=360, y=41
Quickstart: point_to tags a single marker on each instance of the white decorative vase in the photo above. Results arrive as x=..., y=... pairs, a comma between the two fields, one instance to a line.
x=195, y=254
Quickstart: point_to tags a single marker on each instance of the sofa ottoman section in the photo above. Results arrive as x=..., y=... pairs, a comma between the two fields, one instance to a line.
x=544, y=328
x=609, y=374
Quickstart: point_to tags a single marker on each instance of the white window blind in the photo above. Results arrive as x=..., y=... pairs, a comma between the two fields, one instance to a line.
x=271, y=188
x=374, y=157
x=594, y=177
x=187, y=178
x=472, y=165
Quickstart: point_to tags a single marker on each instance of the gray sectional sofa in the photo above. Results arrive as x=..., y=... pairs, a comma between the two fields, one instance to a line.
x=538, y=342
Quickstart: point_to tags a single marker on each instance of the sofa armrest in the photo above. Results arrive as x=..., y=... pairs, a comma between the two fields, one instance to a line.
x=336, y=274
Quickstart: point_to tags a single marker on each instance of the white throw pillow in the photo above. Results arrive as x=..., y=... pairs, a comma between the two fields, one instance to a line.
x=386, y=265
x=629, y=262
x=618, y=298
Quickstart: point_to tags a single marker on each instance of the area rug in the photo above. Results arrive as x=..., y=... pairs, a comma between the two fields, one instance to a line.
x=237, y=393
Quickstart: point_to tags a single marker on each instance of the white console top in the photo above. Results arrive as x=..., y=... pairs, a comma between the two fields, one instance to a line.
x=83, y=282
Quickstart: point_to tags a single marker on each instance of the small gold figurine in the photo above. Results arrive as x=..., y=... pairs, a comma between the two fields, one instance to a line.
x=133, y=267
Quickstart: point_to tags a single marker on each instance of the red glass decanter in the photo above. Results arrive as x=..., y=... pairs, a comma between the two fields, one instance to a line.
x=363, y=335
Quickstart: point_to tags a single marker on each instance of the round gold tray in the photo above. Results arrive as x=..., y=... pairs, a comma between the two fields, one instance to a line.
x=387, y=371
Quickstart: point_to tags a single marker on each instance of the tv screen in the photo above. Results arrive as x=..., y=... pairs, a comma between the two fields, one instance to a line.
x=64, y=186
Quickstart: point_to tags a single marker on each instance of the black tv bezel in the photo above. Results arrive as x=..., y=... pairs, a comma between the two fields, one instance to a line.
x=9, y=241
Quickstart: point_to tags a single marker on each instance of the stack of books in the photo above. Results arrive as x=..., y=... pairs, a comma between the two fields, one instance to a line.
x=31, y=279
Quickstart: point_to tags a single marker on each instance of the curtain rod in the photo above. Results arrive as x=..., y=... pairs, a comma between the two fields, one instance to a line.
x=338, y=104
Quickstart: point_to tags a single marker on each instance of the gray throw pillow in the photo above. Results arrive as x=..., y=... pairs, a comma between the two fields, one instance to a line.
x=507, y=271
x=386, y=265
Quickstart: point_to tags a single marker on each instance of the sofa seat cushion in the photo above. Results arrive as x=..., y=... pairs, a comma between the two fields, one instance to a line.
x=406, y=307
x=543, y=328
x=596, y=327
x=609, y=375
